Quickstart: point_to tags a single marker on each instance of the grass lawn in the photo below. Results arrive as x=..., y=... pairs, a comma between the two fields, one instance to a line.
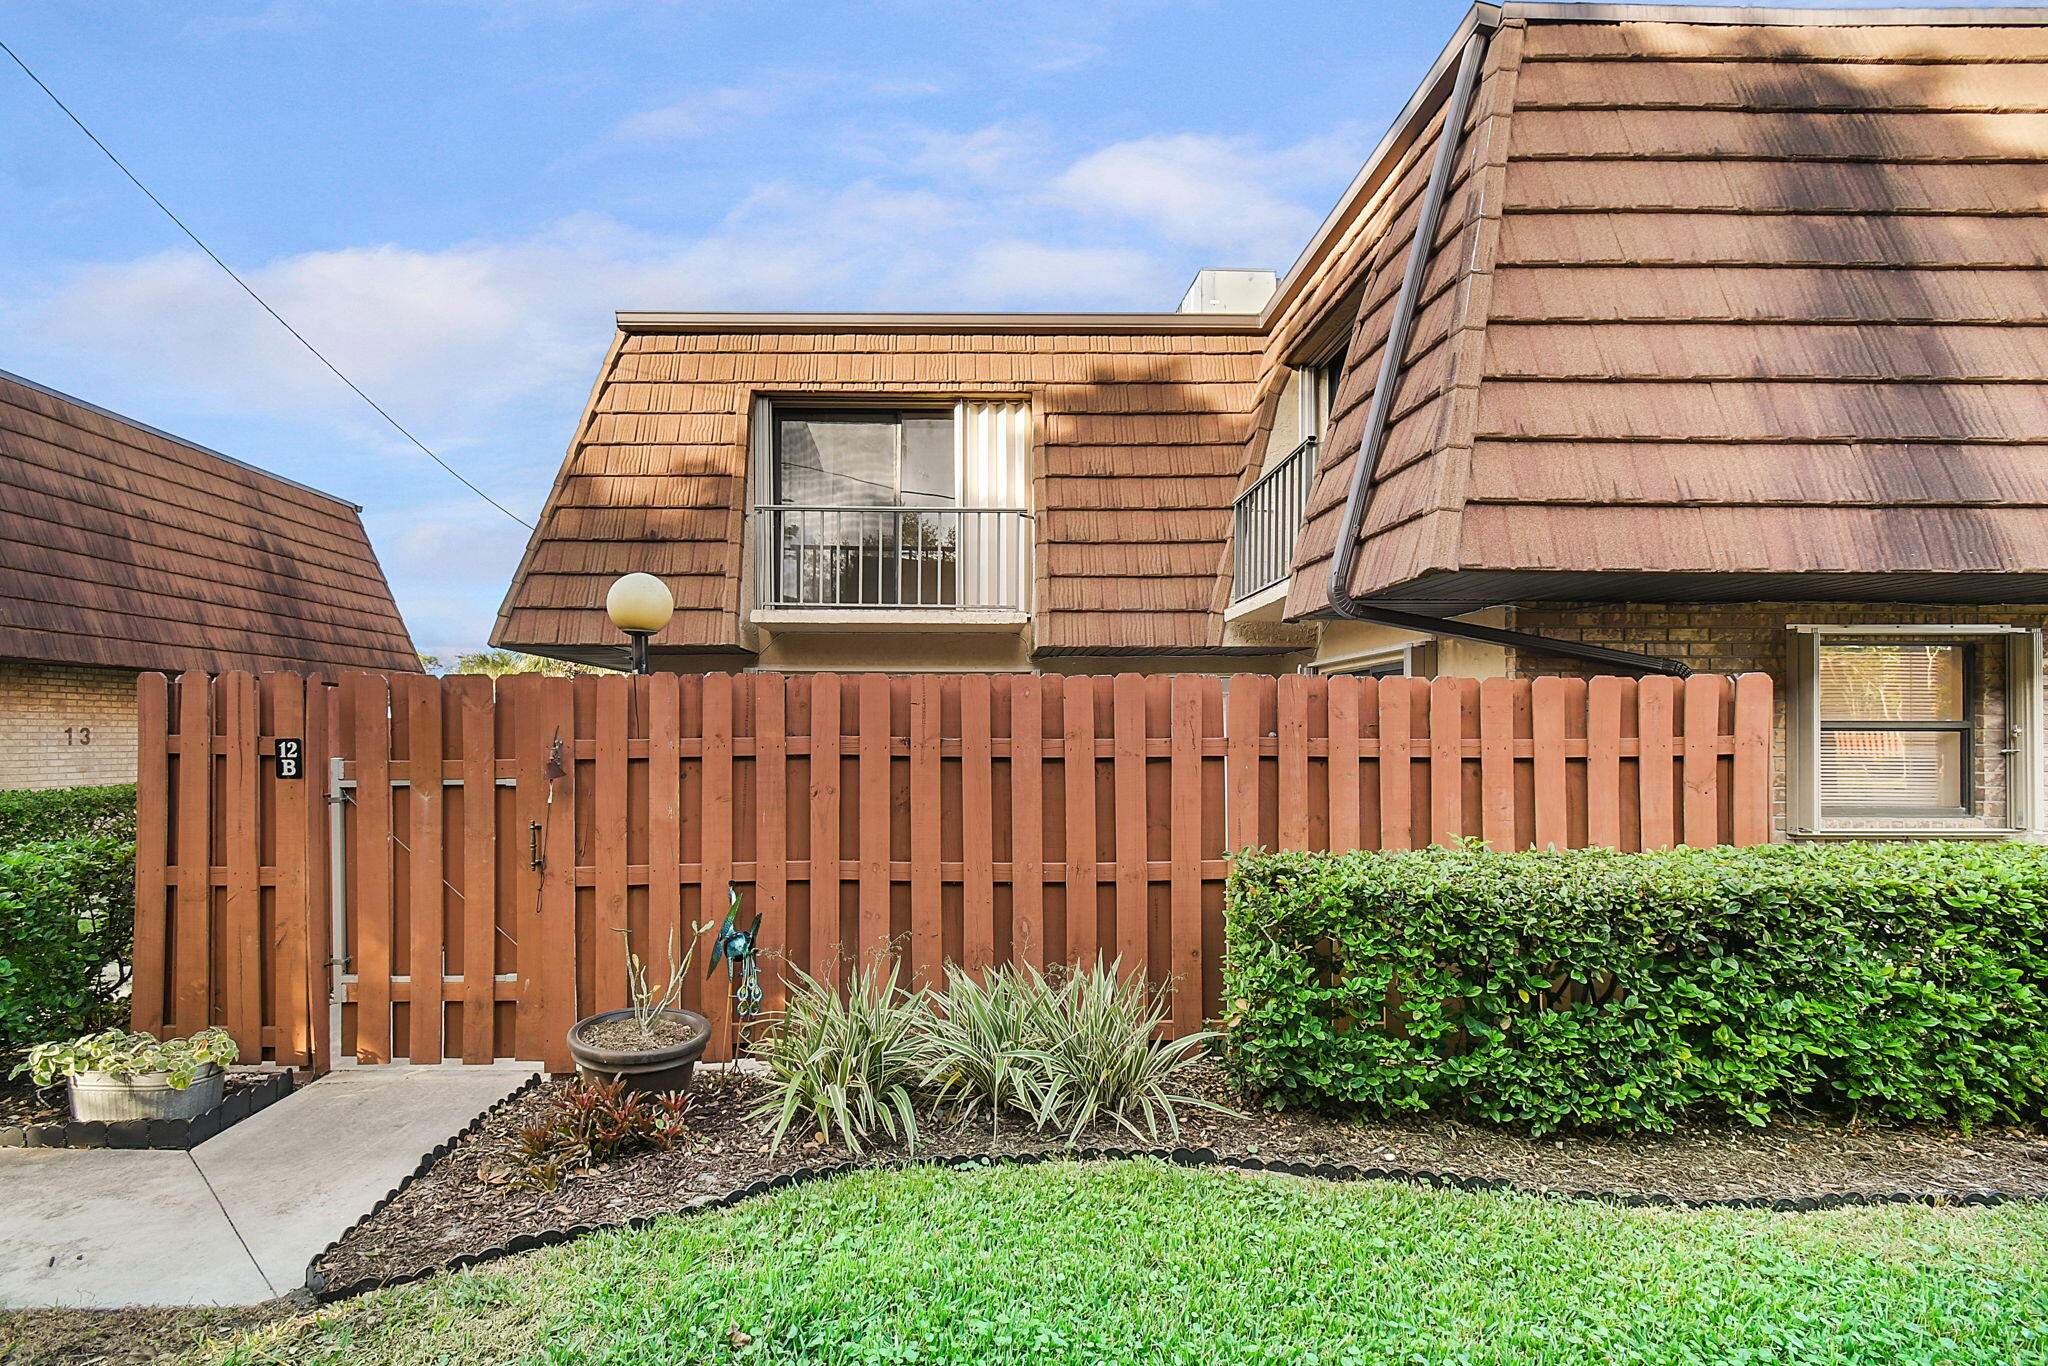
x=1142, y=1262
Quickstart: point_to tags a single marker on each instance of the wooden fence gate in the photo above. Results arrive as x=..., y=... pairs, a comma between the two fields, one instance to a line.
x=457, y=867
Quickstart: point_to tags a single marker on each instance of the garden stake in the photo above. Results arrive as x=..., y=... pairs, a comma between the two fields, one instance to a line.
x=735, y=948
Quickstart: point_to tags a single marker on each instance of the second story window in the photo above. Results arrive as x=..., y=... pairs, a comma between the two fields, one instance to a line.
x=859, y=458
x=877, y=507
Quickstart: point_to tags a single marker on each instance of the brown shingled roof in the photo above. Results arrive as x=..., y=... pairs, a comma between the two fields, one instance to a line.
x=129, y=548
x=1759, y=299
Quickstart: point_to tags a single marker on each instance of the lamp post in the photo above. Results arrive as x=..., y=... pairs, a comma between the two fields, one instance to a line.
x=639, y=605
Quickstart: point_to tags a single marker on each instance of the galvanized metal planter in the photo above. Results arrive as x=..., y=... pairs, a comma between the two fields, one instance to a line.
x=96, y=1096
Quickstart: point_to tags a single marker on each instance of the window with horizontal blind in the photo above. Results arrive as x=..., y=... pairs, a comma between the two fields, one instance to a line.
x=1894, y=729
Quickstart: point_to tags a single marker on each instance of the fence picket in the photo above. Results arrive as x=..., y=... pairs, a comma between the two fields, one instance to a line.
x=1027, y=822
x=827, y=942
x=426, y=795
x=1078, y=774
x=977, y=814
x=771, y=829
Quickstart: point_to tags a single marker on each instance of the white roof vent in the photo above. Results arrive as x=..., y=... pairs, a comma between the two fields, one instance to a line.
x=1229, y=291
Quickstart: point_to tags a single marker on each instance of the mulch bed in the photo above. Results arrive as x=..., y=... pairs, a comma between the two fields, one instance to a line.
x=462, y=1204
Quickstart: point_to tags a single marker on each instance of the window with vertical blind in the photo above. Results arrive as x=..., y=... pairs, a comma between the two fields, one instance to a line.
x=1894, y=729
x=866, y=505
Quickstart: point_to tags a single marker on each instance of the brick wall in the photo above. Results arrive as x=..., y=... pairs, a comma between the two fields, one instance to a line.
x=65, y=725
x=1750, y=637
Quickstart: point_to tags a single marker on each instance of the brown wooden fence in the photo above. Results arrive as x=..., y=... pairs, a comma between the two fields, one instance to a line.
x=474, y=852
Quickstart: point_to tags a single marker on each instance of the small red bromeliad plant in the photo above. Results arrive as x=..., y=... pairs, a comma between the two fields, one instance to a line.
x=592, y=1123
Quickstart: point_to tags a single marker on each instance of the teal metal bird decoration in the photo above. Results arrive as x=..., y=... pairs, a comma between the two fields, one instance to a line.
x=735, y=948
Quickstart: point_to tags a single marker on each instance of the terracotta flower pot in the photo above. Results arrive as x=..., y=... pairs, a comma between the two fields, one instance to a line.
x=666, y=1068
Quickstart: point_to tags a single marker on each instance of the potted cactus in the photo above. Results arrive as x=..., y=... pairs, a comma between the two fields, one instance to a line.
x=120, y=1075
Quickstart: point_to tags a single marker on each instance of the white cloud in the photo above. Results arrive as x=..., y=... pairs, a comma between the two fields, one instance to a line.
x=697, y=115
x=1227, y=194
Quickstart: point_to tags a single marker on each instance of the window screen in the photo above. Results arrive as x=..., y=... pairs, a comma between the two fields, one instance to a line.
x=1894, y=729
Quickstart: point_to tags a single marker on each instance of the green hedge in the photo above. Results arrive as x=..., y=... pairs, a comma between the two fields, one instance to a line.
x=67, y=813
x=67, y=924
x=1902, y=981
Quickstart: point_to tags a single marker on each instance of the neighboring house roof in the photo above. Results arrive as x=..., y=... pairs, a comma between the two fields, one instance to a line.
x=1736, y=303
x=1719, y=299
x=130, y=548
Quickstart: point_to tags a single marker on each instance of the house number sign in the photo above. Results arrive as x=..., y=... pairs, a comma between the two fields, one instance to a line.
x=291, y=758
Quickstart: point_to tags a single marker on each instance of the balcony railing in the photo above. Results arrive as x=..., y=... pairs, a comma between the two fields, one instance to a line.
x=1267, y=518
x=965, y=559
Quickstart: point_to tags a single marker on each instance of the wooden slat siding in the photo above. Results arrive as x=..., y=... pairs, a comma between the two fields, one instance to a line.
x=554, y=720
x=1292, y=756
x=927, y=820
x=150, y=978
x=1346, y=770
x=192, y=926
x=1132, y=821
x=1243, y=729
x=771, y=830
x=370, y=865
x=875, y=813
x=1394, y=698
x=1706, y=697
x=281, y=702
x=1657, y=714
x=1077, y=774
x=1497, y=761
x=1548, y=704
x=475, y=722
x=608, y=852
x=1027, y=820
x=1751, y=776
x=421, y=697
x=827, y=942
x=715, y=860
x=1604, y=701
x=1184, y=836
x=238, y=950
x=977, y=814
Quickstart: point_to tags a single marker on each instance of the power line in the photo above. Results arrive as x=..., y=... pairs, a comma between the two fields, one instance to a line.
x=260, y=301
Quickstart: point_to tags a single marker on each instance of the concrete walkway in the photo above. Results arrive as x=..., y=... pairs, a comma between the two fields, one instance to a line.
x=235, y=1220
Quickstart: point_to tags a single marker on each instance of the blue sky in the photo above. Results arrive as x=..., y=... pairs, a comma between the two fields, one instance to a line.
x=451, y=197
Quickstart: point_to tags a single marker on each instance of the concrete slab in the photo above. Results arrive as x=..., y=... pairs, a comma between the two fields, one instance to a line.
x=293, y=1177
x=106, y=1228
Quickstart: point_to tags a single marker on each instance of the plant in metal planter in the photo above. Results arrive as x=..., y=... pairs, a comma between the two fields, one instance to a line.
x=651, y=1045
x=120, y=1075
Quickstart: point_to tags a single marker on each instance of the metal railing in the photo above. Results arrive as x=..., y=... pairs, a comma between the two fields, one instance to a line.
x=969, y=559
x=1265, y=520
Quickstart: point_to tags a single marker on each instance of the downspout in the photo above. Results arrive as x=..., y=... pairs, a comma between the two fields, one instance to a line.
x=1345, y=557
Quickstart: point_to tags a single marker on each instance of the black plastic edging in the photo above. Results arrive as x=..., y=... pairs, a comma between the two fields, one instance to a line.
x=1180, y=1157
x=236, y=1106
